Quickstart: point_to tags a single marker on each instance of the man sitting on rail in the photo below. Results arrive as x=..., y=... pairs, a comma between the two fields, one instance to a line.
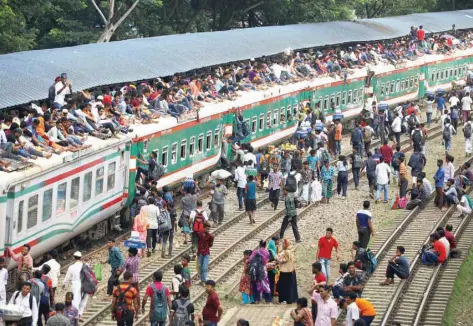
x=397, y=265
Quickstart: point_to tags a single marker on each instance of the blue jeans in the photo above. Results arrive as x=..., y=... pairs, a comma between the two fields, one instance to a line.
x=356, y=176
x=204, y=266
x=448, y=144
x=338, y=147
x=240, y=195
x=429, y=118
x=359, y=148
x=325, y=267
x=338, y=292
x=385, y=188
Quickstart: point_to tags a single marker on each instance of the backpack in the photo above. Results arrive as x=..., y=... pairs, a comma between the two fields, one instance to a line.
x=291, y=183
x=198, y=225
x=88, y=280
x=31, y=299
x=355, y=136
x=264, y=165
x=164, y=221
x=45, y=297
x=417, y=137
x=157, y=172
x=454, y=113
x=181, y=315
x=181, y=280
x=357, y=161
x=467, y=130
x=411, y=122
x=372, y=261
x=122, y=311
x=159, y=305
x=256, y=268
x=245, y=128
x=367, y=134
x=446, y=133
x=35, y=290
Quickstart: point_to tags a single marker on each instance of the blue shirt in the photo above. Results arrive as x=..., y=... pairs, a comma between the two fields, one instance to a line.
x=440, y=103
x=438, y=177
x=363, y=217
x=251, y=190
x=115, y=257
x=312, y=162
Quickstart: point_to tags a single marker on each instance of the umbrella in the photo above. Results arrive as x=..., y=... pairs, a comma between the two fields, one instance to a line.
x=220, y=174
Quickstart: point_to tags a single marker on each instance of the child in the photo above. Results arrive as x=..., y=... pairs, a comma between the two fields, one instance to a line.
x=167, y=196
x=196, y=222
x=186, y=272
x=245, y=280
x=177, y=280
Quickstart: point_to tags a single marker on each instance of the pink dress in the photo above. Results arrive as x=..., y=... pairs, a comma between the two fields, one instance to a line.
x=140, y=224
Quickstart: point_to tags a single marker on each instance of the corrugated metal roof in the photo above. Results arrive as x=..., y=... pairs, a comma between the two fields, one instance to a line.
x=26, y=76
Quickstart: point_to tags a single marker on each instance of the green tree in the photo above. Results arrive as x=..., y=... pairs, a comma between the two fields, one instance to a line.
x=14, y=33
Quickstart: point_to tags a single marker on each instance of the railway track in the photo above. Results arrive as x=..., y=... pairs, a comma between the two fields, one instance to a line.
x=232, y=238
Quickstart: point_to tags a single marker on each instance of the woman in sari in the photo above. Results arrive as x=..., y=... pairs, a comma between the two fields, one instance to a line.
x=273, y=272
x=245, y=280
x=259, y=274
x=287, y=283
x=140, y=224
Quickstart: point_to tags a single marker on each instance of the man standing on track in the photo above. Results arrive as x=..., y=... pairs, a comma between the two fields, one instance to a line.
x=240, y=179
x=439, y=177
x=218, y=192
x=324, y=251
x=116, y=260
x=291, y=216
x=73, y=276
x=364, y=224
x=274, y=185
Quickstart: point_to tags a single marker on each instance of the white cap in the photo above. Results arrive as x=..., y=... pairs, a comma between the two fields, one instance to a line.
x=100, y=98
x=78, y=254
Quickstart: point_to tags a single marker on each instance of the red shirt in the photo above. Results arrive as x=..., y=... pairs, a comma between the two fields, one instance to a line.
x=320, y=278
x=420, y=34
x=209, y=313
x=158, y=286
x=451, y=239
x=387, y=153
x=204, y=243
x=440, y=249
x=411, y=110
x=326, y=246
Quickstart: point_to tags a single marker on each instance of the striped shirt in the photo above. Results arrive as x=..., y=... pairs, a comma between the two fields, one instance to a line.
x=131, y=265
x=402, y=171
x=363, y=217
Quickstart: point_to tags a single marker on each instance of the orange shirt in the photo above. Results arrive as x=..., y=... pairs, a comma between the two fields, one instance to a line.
x=338, y=131
x=130, y=295
x=402, y=171
x=366, y=308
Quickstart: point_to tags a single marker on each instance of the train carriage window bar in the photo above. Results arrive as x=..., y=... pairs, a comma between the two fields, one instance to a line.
x=200, y=143
x=75, y=184
x=208, y=141
x=111, y=175
x=398, y=86
x=87, y=187
x=387, y=88
x=19, y=226
x=32, y=212
x=183, y=152
x=355, y=96
x=261, y=122
x=174, y=153
x=282, y=118
x=337, y=100
x=349, y=97
x=268, y=120
x=361, y=95
x=192, y=146
x=47, y=205
x=275, y=117
x=344, y=98
x=402, y=85
x=61, y=198
x=99, y=180
x=326, y=103
x=164, y=156
x=253, y=125
x=393, y=85
x=217, y=138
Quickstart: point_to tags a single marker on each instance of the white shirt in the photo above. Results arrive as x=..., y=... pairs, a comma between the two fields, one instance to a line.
x=453, y=100
x=277, y=69
x=353, y=313
x=240, y=177
x=429, y=105
x=446, y=244
x=54, y=272
x=24, y=302
x=463, y=202
x=449, y=172
x=60, y=98
x=194, y=213
x=382, y=173
x=3, y=279
x=3, y=137
x=152, y=211
x=250, y=156
x=427, y=186
x=397, y=124
x=466, y=103
x=73, y=273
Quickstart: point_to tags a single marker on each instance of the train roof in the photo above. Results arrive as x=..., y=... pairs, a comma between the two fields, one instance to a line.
x=26, y=76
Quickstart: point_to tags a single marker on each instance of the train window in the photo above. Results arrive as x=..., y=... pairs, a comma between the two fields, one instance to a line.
x=47, y=204
x=387, y=88
x=216, y=138
x=99, y=180
x=455, y=72
x=332, y=100
x=111, y=176
x=174, y=153
x=402, y=84
x=337, y=100
x=349, y=97
x=416, y=81
x=288, y=113
x=437, y=76
x=361, y=94
x=183, y=152
x=442, y=75
x=191, y=146
x=282, y=118
x=61, y=198
x=355, y=96
x=411, y=82
x=393, y=85
x=208, y=141
x=200, y=144
x=326, y=103
x=451, y=72
x=432, y=77
x=253, y=125
x=275, y=117
x=87, y=186
x=75, y=192
x=164, y=156
x=398, y=86
x=32, y=212
x=268, y=120
x=344, y=98
x=261, y=122
x=19, y=226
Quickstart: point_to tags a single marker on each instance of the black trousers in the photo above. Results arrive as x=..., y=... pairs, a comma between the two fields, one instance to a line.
x=151, y=238
x=295, y=229
x=364, y=237
x=274, y=197
x=392, y=270
x=112, y=281
x=127, y=321
x=43, y=312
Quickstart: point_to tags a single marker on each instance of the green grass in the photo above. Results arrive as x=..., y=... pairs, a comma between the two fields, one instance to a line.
x=460, y=306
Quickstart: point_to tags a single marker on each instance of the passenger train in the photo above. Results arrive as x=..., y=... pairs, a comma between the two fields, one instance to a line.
x=75, y=194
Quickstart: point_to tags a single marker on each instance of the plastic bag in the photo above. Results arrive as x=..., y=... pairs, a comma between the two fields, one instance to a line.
x=98, y=271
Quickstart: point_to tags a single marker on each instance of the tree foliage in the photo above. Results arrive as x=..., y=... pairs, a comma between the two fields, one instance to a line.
x=33, y=24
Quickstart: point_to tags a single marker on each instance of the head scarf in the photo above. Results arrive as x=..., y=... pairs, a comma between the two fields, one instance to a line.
x=273, y=250
x=141, y=221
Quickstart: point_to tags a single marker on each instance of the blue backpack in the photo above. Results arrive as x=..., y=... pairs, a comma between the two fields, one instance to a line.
x=159, y=305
